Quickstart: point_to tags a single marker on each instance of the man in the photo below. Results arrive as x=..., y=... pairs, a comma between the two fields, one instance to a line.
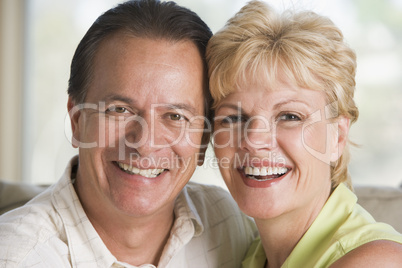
x=135, y=102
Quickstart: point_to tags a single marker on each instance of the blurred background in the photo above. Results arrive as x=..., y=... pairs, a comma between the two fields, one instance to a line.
x=38, y=39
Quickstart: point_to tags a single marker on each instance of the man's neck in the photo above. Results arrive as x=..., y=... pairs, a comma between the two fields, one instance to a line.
x=133, y=240
x=141, y=242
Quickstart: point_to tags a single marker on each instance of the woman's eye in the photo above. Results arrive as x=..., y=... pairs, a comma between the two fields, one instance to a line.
x=289, y=117
x=233, y=119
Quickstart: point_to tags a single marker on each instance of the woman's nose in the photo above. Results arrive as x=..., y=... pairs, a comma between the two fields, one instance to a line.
x=258, y=134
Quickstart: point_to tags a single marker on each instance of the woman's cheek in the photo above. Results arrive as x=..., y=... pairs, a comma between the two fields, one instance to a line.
x=290, y=139
x=309, y=141
x=224, y=137
x=315, y=137
x=221, y=143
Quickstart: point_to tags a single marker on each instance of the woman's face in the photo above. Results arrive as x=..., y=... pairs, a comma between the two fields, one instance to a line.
x=274, y=147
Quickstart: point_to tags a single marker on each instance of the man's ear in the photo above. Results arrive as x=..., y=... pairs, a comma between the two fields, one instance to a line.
x=74, y=113
x=204, y=146
x=343, y=124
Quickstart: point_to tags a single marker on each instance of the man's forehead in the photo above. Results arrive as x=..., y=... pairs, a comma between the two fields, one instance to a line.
x=173, y=75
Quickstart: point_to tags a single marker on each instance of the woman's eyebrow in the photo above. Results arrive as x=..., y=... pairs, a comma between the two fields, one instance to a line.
x=236, y=107
x=282, y=103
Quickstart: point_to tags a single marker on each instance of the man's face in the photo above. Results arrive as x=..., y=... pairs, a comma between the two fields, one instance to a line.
x=141, y=134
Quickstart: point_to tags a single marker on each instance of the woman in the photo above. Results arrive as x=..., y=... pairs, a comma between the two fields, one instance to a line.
x=283, y=87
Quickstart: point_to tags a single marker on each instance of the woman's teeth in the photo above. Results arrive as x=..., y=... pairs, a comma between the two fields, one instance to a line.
x=251, y=172
x=149, y=173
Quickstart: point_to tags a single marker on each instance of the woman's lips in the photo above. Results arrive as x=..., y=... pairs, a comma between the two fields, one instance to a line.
x=263, y=177
x=265, y=171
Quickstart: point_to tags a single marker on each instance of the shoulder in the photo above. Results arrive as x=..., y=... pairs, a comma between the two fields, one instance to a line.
x=34, y=213
x=25, y=230
x=205, y=191
x=211, y=198
x=227, y=232
x=37, y=212
x=216, y=207
x=14, y=195
x=380, y=253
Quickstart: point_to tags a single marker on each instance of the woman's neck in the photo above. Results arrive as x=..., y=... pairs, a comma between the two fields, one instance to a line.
x=280, y=235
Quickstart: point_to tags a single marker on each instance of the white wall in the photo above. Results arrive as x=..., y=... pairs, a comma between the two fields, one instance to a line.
x=11, y=69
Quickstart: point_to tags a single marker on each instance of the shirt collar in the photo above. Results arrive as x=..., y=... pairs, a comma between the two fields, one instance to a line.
x=85, y=245
x=185, y=208
x=338, y=206
x=187, y=225
x=335, y=211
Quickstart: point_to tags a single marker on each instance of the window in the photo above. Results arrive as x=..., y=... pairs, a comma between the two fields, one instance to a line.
x=373, y=28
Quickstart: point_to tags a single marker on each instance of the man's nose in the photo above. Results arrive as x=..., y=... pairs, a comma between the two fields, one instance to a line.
x=144, y=135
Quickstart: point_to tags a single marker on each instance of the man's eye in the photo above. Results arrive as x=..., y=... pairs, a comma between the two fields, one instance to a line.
x=117, y=109
x=120, y=110
x=176, y=117
x=289, y=117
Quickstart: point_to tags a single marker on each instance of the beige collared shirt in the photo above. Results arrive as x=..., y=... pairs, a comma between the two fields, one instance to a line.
x=52, y=230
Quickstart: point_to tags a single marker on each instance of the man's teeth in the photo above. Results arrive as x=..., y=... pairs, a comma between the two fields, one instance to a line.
x=149, y=173
x=265, y=171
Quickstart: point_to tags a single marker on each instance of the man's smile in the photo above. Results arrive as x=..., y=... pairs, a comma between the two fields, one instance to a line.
x=149, y=173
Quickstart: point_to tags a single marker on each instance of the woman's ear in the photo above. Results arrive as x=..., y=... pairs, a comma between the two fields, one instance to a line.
x=343, y=125
x=74, y=113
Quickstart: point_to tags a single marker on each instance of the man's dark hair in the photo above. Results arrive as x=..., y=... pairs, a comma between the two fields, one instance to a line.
x=139, y=18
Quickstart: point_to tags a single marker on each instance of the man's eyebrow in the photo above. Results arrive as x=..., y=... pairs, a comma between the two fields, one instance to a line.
x=114, y=97
x=171, y=106
x=180, y=106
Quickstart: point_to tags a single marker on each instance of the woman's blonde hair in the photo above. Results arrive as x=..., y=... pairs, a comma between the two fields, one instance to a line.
x=308, y=49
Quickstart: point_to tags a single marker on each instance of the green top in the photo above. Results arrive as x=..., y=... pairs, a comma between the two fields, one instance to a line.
x=341, y=226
